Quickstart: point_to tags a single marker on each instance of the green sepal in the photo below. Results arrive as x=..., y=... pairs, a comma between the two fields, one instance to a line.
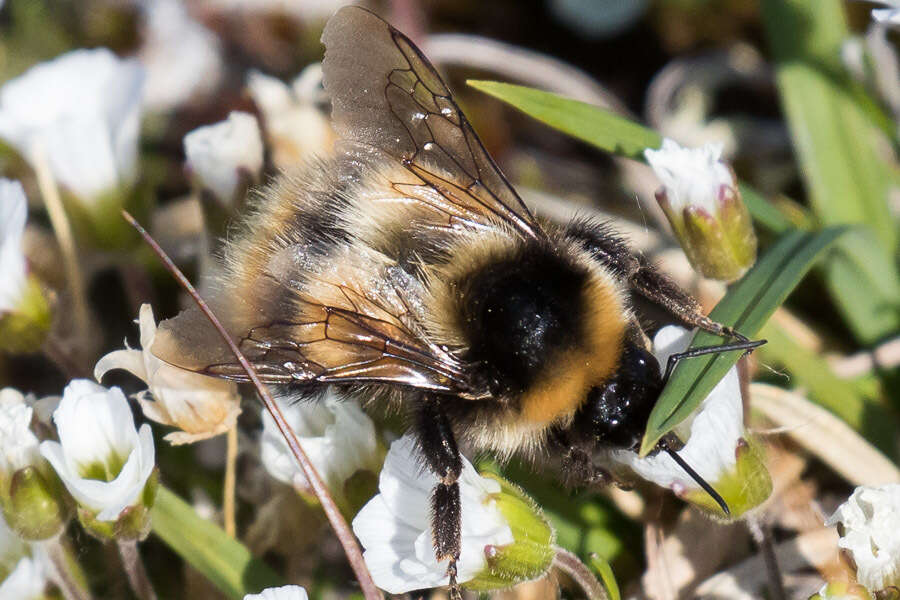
x=24, y=329
x=133, y=523
x=744, y=488
x=35, y=504
x=530, y=555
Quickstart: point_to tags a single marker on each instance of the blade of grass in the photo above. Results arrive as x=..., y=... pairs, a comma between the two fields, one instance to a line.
x=747, y=306
x=223, y=560
x=612, y=133
x=837, y=147
x=607, y=577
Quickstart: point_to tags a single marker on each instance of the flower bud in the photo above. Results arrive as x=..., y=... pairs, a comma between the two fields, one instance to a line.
x=24, y=309
x=32, y=499
x=226, y=157
x=868, y=523
x=531, y=553
x=701, y=200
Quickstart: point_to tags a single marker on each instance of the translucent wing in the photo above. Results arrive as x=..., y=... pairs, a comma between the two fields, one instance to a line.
x=388, y=99
x=337, y=328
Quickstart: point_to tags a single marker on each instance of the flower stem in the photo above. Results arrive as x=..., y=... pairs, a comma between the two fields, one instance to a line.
x=228, y=493
x=337, y=520
x=63, y=231
x=763, y=538
x=134, y=568
x=572, y=566
x=66, y=573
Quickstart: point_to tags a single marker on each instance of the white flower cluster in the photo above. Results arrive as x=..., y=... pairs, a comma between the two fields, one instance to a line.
x=691, y=176
x=870, y=533
x=80, y=113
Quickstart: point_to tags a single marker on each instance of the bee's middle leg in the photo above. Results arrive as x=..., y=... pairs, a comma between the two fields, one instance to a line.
x=438, y=446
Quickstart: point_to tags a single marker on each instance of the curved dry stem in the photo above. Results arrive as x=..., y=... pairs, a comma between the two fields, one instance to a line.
x=231, y=454
x=63, y=231
x=572, y=566
x=338, y=523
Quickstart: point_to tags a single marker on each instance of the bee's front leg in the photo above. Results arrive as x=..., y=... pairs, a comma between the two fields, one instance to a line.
x=438, y=446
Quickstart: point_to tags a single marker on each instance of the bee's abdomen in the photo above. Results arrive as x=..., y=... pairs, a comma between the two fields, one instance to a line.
x=520, y=313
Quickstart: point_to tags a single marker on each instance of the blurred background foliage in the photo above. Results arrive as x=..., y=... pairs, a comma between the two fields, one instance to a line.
x=799, y=92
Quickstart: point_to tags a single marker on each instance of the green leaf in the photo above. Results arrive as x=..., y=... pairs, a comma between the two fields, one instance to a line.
x=612, y=133
x=747, y=306
x=838, y=149
x=607, y=577
x=223, y=560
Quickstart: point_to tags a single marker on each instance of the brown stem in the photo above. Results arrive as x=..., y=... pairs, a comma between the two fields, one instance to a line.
x=65, y=571
x=572, y=566
x=230, y=481
x=763, y=538
x=341, y=529
x=134, y=568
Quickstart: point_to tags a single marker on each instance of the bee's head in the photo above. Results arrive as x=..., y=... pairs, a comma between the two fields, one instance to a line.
x=615, y=413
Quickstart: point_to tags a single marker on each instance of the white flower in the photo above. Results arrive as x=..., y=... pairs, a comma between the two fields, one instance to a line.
x=13, y=211
x=182, y=57
x=201, y=407
x=80, y=111
x=712, y=435
x=295, y=127
x=395, y=526
x=336, y=434
x=18, y=444
x=100, y=457
x=218, y=154
x=870, y=519
x=27, y=581
x=285, y=592
x=691, y=176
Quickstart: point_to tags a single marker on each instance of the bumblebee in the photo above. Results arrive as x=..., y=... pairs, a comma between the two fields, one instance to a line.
x=406, y=267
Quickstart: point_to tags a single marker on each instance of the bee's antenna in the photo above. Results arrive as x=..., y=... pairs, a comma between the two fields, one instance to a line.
x=665, y=445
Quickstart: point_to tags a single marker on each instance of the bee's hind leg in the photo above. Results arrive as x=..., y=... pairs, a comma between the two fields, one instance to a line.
x=438, y=447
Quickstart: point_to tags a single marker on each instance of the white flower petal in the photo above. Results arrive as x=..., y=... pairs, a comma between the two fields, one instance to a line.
x=336, y=434
x=81, y=111
x=28, y=581
x=712, y=434
x=217, y=154
x=201, y=407
x=13, y=212
x=285, y=592
x=18, y=444
x=886, y=16
x=691, y=176
x=395, y=528
x=871, y=522
x=182, y=57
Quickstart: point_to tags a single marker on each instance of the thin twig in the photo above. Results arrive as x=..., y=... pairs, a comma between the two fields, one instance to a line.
x=65, y=571
x=763, y=538
x=341, y=529
x=134, y=568
x=231, y=454
x=63, y=230
x=572, y=566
